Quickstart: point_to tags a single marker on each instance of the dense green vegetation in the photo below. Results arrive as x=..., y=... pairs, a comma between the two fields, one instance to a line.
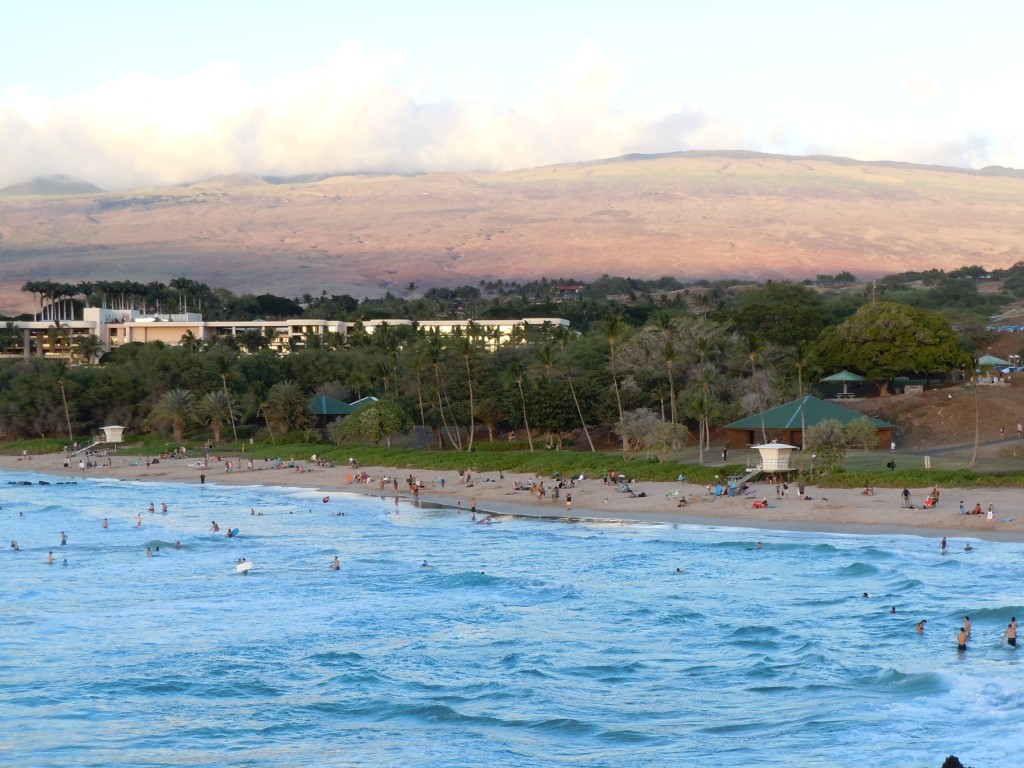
x=648, y=366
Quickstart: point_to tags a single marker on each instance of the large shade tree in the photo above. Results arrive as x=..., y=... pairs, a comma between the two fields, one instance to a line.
x=885, y=340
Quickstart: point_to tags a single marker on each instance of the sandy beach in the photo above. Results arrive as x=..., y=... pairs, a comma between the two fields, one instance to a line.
x=830, y=510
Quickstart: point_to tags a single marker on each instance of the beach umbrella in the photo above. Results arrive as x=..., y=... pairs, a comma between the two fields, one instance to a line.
x=845, y=377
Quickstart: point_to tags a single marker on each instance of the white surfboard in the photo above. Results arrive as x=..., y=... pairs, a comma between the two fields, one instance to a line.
x=243, y=567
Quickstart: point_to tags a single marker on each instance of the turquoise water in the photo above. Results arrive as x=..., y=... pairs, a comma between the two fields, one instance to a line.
x=526, y=643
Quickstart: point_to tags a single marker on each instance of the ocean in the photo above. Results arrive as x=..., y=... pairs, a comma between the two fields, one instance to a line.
x=524, y=643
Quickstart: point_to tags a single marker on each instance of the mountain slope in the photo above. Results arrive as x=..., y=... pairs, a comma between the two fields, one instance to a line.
x=692, y=215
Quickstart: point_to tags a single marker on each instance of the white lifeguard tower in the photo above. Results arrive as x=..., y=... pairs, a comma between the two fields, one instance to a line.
x=113, y=434
x=774, y=460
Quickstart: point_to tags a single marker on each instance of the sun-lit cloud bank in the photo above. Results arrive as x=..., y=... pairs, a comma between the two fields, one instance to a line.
x=349, y=116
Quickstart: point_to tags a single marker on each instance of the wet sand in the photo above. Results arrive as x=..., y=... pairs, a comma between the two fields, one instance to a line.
x=826, y=510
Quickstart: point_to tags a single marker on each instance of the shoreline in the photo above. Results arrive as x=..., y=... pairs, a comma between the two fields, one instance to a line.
x=826, y=510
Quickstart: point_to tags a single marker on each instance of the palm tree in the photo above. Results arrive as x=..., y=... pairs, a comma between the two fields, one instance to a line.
x=613, y=327
x=89, y=347
x=466, y=348
x=562, y=336
x=518, y=372
x=177, y=408
x=754, y=355
x=190, y=341
x=286, y=406
x=435, y=352
x=214, y=409
x=225, y=364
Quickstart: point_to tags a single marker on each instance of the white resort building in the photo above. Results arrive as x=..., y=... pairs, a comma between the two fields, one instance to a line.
x=116, y=327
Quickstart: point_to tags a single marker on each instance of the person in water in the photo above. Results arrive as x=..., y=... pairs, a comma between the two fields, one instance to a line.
x=214, y=527
x=149, y=552
x=1011, y=635
x=920, y=626
x=49, y=561
x=961, y=639
x=106, y=523
x=967, y=625
x=336, y=564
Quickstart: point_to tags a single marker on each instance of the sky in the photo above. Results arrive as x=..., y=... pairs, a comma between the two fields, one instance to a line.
x=136, y=94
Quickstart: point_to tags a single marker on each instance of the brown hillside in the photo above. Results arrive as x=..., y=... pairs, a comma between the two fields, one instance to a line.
x=946, y=417
x=690, y=215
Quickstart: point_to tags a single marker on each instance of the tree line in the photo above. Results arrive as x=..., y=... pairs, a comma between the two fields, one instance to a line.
x=647, y=372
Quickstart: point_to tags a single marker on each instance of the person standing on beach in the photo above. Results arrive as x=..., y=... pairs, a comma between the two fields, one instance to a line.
x=472, y=506
x=906, y=498
x=989, y=518
x=568, y=502
x=961, y=640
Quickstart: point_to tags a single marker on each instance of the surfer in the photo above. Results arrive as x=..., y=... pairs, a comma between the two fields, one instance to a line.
x=336, y=564
x=968, y=547
x=230, y=534
x=425, y=564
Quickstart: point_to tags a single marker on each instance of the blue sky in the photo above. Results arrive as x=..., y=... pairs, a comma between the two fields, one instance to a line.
x=131, y=93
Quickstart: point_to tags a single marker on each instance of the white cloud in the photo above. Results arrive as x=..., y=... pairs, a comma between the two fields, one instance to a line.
x=345, y=116
x=348, y=115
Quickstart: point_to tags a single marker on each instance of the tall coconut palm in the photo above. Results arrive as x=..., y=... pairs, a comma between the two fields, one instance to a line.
x=435, y=353
x=754, y=356
x=518, y=372
x=562, y=337
x=175, y=407
x=613, y=327
x=467, y=349
x=225, y=365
